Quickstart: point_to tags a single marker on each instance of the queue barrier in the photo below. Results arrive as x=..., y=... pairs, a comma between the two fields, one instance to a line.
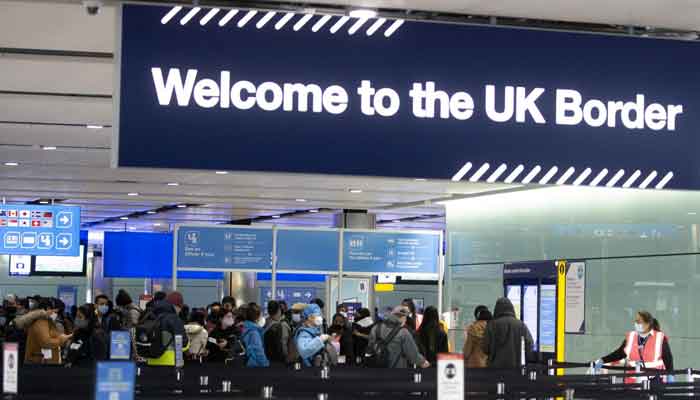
x=204, y=381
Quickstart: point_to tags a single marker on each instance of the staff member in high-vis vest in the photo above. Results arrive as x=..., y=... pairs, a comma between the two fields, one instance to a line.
x=646, y=346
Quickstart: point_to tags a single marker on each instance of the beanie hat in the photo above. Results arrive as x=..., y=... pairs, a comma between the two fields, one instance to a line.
x=311, y=310
x=123, y=298
x=175, y=298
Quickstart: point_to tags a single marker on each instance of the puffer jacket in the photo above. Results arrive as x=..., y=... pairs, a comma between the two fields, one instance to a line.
x=198, y=337
x=474, y=356
x=503, y=337
x=254, y=348
x=402, y=350
x=43, y=338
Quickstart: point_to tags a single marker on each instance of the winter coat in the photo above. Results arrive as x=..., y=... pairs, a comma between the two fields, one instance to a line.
x=309, y=344
x=276, y=339
x=474, y=356
x=432, y=345
x=253, y=343
x=402, y=350
x=42, y=334
x=198, y=337
x=503, y=337
x=171, y=325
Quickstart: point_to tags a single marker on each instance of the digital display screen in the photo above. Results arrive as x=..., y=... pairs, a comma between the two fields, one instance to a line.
x=514, y=294
x=61, y=266
x=530, y=313
x=20, y=265
x=548, y=318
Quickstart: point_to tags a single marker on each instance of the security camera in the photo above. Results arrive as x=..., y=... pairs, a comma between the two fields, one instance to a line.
x=92, y=7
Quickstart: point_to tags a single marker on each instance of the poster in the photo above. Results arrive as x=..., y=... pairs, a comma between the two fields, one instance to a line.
x=450, y=371
x=68, y=295
x=120, y=345
x=576, y=298
x=531, y=312
x=115, y=380
x=10, y=367
x=548, y=318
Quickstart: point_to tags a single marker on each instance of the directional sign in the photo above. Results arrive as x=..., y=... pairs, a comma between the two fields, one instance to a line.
x=307, y=250
x=289, y=294
x=224, y=248
x=40, y=230
x=390, y=252
x=115, y=380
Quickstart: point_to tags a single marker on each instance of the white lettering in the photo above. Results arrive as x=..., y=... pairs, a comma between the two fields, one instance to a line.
x=432, y=96
x=568, y=104
x=508, y=104
x=206, y=93
x=164, y=90
x=335, y=99
x=597, y=107
x=277, y=97
x=223, y=87
x=366, y=91
x=417, y=95
x=673, y=112
x=655, y=117
x=461, y=106
x=638, y=109
x=303, y=92
x=236, y=98
x=526, y=103
x=394, y=102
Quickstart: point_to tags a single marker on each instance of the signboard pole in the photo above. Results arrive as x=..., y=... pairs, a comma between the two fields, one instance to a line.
x=441, y=274
x=340, y=267
x=274, y=264
x=175, y=239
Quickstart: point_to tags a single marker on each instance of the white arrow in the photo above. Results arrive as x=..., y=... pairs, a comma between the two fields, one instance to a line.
x=64, y=220
x=64, y=241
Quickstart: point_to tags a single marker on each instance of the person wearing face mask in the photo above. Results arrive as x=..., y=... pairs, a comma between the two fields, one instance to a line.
x=214, y=316
x=341, y=333
x=361, y=329
x=85, y=348
x=277, y=334
x=222, y=339
x=167, y=312
x=295, y=315
x=401, y=348
x=252, y=337
x=646, y=346
x=104, y=314
x=43, y=338
x=310, y=342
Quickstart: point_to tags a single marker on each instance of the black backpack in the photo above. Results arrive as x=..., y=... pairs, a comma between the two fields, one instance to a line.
x=378, y=355
x=149, y=336
x=237, y=356
x=273, y=343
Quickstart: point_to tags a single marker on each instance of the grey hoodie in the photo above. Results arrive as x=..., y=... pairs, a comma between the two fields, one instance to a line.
x=503, y=336
x=403, y=352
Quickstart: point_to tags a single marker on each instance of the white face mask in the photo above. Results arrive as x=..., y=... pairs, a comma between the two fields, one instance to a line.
x=53, y=316
x=639, y=328
x=344, y=314
x=296, y=318
x=227, y=323
x=261, y=322
x=318, y=321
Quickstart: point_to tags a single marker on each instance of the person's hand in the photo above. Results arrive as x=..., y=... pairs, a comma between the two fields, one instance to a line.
x=64, y=338
x=425, y=364
x=324, y=338
x=222, y=344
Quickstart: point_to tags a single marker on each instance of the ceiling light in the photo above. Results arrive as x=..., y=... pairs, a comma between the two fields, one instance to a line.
x=123, y=218
x=132, y=194
x=275, y=216
x=150, y=212
x=355, y=190
x=363, y=13
x=43, y=202
x=397, y=221
x=301, y=200
x=132, y=228
x=182, y=206
x=90, y=126
x=173, y=184
x=11, y=164
x=420, y=179
x=692, y=213
x=221, y=172
x=157, y=224
x=313, y=211
x=48, y=147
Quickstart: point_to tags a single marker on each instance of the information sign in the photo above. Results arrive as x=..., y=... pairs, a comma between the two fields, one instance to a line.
x=307, y=250
x=224, y=248
x=576, y=297
x=390, y=252
x=120, y=345
x=10, y=367
x=68, y=295
x=115, y=380
x=548, y=318
x=40, y=230
x=289, y=294
x=450, y=371
x=531, y=312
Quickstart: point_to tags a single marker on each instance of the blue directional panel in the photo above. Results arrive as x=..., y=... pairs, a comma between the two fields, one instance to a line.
x=40, y=230
x=224, y=248
x=379, y=252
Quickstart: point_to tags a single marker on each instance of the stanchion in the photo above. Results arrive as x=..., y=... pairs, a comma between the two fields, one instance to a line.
x=226, y=386
x=550, y=364
x=204, y=384
x=325, y=372
x=533, y=375
x=569, y=394
x=267, y=392
x=691, y=378
x=417, y=377
x=500, y=389
x=646, y=385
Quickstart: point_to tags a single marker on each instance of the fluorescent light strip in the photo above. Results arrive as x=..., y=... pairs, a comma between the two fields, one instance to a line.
x=630, y=181
x=497, y=173
x=319, y=24
x=514, y=175
x=357, y=25
x=189, y=15
x=562, y=180
x=375, y=26
x=612, y=182
x=300, y=24
x=481, y=171
x=265, y=19
x=339, y=24
x=462, y=171
x=229, y=16
x=549, y=175
x=205, y=20
x=665, y=180
x=648, y=180
x=532, y=174
x=583, y=176
x=246, y=18
x=283, y=21
x=599, y=178
x=167, y=17
x=393, y=27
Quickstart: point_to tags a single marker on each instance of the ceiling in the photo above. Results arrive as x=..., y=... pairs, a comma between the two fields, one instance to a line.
x=56, y=78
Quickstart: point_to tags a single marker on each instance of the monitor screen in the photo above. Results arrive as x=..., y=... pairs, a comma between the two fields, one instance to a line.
x=20, y=265
x=61, y=266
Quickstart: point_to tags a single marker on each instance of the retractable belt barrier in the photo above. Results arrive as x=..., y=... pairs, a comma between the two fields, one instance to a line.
x=200, y=381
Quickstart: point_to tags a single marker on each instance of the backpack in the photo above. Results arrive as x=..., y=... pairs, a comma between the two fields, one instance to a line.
x=378, y=355
x=237, y=353
x=272, y=341
x=149, y=336
x=292, y=350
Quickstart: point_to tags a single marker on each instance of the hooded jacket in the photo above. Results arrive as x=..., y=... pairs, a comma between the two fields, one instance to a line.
x=253, y=342
x=402, y=350
x=198, y=337
x=170, y=325
x=43, y=338
x=474, y=356
x=503, y=337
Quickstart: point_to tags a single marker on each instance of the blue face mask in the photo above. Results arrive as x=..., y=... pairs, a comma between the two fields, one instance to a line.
x=103, y=309
x=3, y=320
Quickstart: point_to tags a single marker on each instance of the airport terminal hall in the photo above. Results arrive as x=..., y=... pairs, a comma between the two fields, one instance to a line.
x=349, y=199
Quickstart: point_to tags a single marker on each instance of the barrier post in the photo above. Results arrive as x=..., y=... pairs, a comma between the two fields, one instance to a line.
x=550, y=364
x=500, y=389
x=267, y=392
x=273, y=283
x=690, y=375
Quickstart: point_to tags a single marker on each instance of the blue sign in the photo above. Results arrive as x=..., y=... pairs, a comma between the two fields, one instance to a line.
x=120, y=345
x=312, y=250
x=40, y=230
x=224, y=248
x=115, y=380
x=548, y=318
x=390, y=252
x=289, y=294
x=68, y=295
x=532, y=106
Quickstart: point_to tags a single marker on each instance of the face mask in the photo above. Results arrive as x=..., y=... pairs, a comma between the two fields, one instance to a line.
x=296, y=318
x=103, y=309
x=344, y=314
x=3, y=320
x=81, y=324
x=53, y=317
x=227, y=323
x=261, y=322
x=32, y=304
x=638, y=328
x=318, y=321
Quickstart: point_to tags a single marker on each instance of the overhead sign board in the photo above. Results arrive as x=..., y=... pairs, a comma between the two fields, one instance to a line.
x=224, y=248
x=378, y=252
x=532, y=106
x=289, y=294
x=40, y=230
x=308, y=250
